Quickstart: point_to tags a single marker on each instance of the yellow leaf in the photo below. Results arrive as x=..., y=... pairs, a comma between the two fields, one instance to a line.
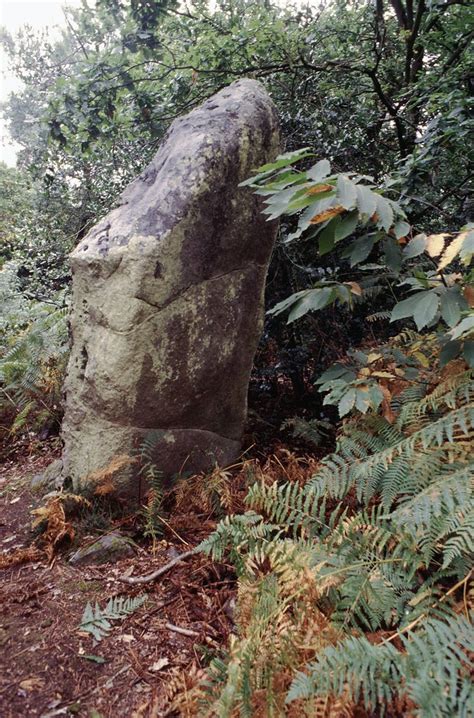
x=383, y=374
x=327, y=214
x=451, y=251
x=435, y=244
x=317, y=189
x=373, y=357
x=424, y=361
x=365, y=371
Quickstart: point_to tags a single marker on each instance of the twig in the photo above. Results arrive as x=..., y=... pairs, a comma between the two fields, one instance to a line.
x=424, y=614
x=133, y=580
x=183, y=631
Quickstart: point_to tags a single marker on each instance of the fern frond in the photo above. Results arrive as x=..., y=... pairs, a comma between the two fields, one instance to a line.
x=96, y=620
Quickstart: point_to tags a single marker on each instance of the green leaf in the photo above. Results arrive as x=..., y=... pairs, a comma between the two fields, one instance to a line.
x=385, y=213
x=346, y=226
x=449, y=351
x=346, y=192
x=415, y=247
x=468, y=352
x=281, y=161
x=319, y=171
x=376, y=395
x=422, y=306
x=337, y=371
x=97, y=621
x=401, y=229
x=466, y=326
x=426, y=309
x=467, y=249
x=313, y=300
x=347, y=402
x=362, y=402
x=287, y=303
x=361, y=248
x=393, y=254
x=327, y=238
x=450, y=306
x=366, y=200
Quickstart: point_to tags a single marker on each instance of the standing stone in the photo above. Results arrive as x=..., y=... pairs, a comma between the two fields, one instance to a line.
x=168, y=298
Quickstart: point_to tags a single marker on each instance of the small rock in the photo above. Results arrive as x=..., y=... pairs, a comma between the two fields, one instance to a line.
x=38, y=481
x=50, y=478
x=110, y=547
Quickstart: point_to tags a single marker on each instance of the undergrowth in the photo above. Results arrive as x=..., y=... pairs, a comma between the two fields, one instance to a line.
x=354, y=585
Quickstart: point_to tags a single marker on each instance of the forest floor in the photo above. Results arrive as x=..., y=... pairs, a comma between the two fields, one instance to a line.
x=48, y=667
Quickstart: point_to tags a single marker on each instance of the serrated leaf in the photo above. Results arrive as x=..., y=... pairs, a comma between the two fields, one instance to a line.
x=465, y=326
x=408, y=307
x=426, y=309
x=346, y=192
x=319, y=171
x=287, y=303
x=327, y=238
x=384, y=212
x=451, y=251
x=347, y=402
x=467, y=249
x=361, y=248
x=415, y=247
x=281, y=161
x=435, y=244
x=376, y=396
x=450, y=306
x=449, y=351
x=336, y=371
x=366, y=200
x=346, y=226
x=393, y=254
x=362, y=402
x=468, y=353
x=313, y=300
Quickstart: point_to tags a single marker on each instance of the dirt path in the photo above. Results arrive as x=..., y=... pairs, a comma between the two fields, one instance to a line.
x=48, y=668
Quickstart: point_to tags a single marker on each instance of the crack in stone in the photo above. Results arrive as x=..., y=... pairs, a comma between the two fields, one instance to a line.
x=165, y=430
x=165, y=305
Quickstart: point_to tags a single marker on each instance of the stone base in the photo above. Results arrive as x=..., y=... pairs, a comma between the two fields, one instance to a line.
x=100, y=441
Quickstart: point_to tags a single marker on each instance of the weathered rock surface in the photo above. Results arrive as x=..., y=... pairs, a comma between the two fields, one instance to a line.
x=168, y=297
x=110, y=547
x=51, y=477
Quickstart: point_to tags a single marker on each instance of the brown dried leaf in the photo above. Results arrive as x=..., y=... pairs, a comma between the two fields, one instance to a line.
x=355, y=288
x=469, y=294
x=103, y=478
x=317, y=189
x=327, y=214
x=32, y=684
x=20, y=555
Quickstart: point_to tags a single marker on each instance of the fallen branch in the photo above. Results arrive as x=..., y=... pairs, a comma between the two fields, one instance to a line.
x=183, y=631
x=133, y=580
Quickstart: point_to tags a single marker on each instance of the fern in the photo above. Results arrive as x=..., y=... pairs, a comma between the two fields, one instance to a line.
x=373, y=541
x=33, y=356
x=96, y=621
x=434, y=669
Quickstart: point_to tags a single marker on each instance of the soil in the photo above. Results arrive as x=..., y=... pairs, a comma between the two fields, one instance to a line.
x=49, y=667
